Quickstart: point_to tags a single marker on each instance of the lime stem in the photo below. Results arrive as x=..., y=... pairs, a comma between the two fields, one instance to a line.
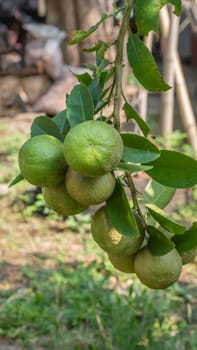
x=119, y=63
x=134, y=197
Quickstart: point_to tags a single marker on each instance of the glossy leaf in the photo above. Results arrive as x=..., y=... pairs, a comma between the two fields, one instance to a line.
x=131, y=167
x=137, y=149
x=147, y=14
x=80, y=106
x=16, y=180
x=158, y=243
x=43, y=125
x=144, y=66
x=188, y=241
x=162, y=218
x=120, y=213
x=157, y=194
x=174, y=169
x=61, y=121
x=132, y=114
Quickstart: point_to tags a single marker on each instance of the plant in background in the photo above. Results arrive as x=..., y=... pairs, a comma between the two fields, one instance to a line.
x=178, y=141
x=95, y=148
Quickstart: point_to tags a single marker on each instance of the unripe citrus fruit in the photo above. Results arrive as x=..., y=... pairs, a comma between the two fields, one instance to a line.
x=93, y=148
x=122, y=263
x=89, y=190
x=58, y=199
x=41, y=160
x=157, y=272
x=109, y=239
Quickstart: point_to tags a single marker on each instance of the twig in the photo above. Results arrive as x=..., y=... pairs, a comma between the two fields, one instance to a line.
x=101, y=328
x=119, y=63
x=134, y=197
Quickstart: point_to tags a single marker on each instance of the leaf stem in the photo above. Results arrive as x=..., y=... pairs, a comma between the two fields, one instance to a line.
x=119, y=63
x=134, y=197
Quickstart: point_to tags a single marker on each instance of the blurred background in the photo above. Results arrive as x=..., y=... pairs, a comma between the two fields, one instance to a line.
x=58, y=290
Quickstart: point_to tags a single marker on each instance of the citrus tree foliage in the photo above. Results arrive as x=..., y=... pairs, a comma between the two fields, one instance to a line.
x=101, y=86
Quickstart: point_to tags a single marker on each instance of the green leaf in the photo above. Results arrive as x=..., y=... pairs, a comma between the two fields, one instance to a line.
x=157, y=194
x=137, y=149
x=79, y=35
x=43, y=125
x=100, y=48
x=144, y=66
x=132, y=114
x=96, y=86
x=106, y=75
x=188, y=241
x=84, y=78
x=131, y=168
x=166, y=233
x=162, y=218
x=96, y=89
x=174, y=169
x=61, y=121
x=158, y=243
x=16, y=180
x=90, y=66
x=80, y=106
x=147, y=14
x=177, y=4
x=120, y=213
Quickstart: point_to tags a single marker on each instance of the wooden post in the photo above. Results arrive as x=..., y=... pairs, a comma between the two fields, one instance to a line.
x=42, y=8
x=167, y=99
x=185, y=106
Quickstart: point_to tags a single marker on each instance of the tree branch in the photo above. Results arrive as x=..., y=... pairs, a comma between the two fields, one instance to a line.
x=119, y=63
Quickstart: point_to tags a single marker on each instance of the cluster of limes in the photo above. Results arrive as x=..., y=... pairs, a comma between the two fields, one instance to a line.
x=78, y=173
x=131, y=254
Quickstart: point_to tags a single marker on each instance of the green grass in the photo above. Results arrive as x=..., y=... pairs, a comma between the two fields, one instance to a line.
x=9, y=145
x=73, y=307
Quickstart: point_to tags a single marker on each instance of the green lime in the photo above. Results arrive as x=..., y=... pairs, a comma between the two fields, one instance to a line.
x=58, y=199
x=109, y=239
x=93, y=148
x=157, y=272
x=122, y=263
x=41, y=160
x=89, y=190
